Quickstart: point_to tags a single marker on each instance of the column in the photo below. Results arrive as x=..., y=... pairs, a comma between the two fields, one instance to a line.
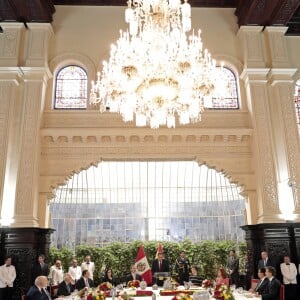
x=284, y=129
x=255, y=76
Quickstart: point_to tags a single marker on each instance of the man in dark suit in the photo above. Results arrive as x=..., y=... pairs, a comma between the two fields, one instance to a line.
x=40, y=268
x=233, y=268
x=39, y=290
x=85, y=281
x=265, y=261
x=133, y=274
x=65, y=288
x=263, y=284
x=274, y=285
x=160, y=265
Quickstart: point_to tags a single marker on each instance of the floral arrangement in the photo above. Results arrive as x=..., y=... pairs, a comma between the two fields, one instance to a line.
x=223, y=292
x=133, y=284
x=105, y=286
x=182, y=296
x=206, y=283
x=124, y=296
x=91, y=294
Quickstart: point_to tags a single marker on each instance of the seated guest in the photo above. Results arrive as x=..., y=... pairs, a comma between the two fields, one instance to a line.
x=65, y=288
x=274, y=285
x=39, y=290
x=222, y=277
x=133, y=274
x=85, y=281
x=108, y=277
x=194, y=277
x=263, y=284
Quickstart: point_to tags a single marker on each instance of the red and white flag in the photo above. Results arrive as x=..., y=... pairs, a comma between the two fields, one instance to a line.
x=142, y=266
x=159, y=250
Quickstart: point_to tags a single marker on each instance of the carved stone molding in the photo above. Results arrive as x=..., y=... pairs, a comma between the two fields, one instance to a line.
x=65, y=59
x=231, y=138
x=38, y=44
x=252, y=46
x=277, y=45
x=10, y=44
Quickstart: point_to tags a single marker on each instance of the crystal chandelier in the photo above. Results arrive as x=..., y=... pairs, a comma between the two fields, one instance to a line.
x=155, y=71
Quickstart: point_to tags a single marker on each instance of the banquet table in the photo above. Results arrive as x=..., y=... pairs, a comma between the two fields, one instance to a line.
x=166, y=295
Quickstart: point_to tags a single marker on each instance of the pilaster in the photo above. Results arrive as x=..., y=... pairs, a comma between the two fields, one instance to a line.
x=257, y=98
x=9, y=137
x=35, y=76
x=26, y=206
x=286, y=140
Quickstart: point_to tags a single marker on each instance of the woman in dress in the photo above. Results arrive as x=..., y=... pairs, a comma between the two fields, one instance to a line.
x=108, y=277
x=222, y=277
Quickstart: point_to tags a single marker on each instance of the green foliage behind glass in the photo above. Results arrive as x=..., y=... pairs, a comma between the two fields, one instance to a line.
x=207, y=255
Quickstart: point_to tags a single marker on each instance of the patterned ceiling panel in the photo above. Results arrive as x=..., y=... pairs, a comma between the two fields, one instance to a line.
x=248, y=12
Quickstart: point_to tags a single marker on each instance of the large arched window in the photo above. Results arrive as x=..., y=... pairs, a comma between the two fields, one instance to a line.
x=71, y=88
x=154, y=200
x=230, y=100
x=297, y=100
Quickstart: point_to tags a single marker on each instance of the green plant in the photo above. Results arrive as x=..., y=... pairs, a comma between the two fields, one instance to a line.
x=207, y=255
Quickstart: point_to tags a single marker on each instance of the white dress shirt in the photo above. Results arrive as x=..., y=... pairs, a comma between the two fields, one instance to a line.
x=289, y=273
x=88, y=266
x=7, y=276
x=56, y=275
x=75, y=273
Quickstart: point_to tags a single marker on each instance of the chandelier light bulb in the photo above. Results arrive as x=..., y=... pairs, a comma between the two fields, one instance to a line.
x=156, y=73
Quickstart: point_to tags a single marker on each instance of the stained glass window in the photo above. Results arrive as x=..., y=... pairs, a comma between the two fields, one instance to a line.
x=71, y=88
x=230, y=100
x=170, y=201
x=297, y=100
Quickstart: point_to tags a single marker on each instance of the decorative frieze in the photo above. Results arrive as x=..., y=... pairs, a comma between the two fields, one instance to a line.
x=234, y=137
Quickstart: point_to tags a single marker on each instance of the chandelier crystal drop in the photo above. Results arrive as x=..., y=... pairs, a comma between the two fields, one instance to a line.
x=155, y=70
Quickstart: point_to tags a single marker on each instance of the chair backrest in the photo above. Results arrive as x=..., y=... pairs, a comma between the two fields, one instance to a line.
x=53, y=290
x=281, y=292
x=254, y=283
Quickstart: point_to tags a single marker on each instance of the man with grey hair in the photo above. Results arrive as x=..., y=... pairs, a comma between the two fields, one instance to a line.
x=39, y=290
x=65, y=288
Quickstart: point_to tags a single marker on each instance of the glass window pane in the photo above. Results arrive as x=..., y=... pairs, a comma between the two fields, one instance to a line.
x=71, y=88
x=172, y=200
